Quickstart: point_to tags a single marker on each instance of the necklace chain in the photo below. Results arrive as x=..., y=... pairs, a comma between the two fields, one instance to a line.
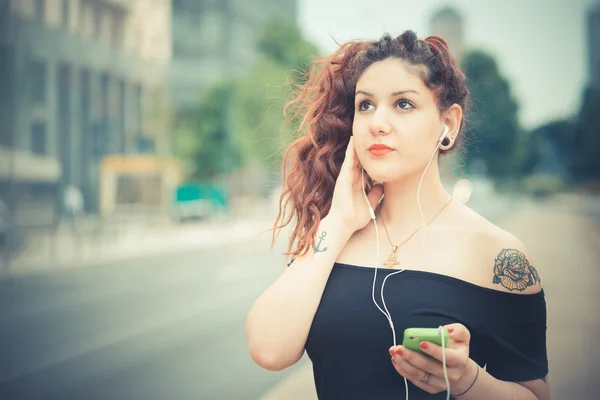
x=392, y=261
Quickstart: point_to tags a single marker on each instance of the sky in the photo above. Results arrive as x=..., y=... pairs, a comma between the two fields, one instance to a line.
x=541, y=46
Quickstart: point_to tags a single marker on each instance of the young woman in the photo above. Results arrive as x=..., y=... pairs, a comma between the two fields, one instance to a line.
x=387, y=109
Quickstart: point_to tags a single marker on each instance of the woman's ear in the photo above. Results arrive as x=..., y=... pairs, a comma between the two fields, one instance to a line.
x=452, y=118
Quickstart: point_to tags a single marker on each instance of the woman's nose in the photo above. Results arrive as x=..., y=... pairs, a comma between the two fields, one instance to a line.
x=379, y=122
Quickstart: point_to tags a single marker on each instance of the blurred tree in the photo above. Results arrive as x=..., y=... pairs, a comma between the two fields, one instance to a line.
x=255, y=122
x=282, y=42
x=200, y=138
x=497, y=140
x=262, y=131
x=584, y=157
x=553, y=147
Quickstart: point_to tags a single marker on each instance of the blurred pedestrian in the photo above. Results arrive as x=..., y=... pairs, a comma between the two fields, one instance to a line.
x=73, y=207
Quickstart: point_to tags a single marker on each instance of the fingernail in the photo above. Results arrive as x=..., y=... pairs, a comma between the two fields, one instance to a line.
x=399, y=352
x=424, y=345
x=394, y=361
x=450, y=330
x=392, y=352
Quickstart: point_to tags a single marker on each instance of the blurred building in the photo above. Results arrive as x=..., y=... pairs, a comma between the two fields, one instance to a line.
x=448, y=23
x=81, y=79
x=594, y=46
x=213, y=39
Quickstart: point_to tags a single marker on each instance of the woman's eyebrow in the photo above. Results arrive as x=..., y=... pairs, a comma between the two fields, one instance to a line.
x=405, y=91
x=392, y=94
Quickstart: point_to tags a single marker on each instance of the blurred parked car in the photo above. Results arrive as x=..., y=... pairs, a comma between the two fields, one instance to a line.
x=194, y=201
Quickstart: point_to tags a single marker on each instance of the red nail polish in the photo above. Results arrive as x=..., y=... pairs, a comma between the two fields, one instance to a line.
x=423, y=345
x=394, y=361
x=450, y=330
x=392, y=352
x=399, y=352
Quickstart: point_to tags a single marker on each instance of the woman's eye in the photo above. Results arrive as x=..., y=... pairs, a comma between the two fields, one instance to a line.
x=363, y=105
x=405, y=105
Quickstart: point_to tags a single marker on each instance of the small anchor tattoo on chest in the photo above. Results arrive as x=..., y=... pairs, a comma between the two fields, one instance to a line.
x=318, y=246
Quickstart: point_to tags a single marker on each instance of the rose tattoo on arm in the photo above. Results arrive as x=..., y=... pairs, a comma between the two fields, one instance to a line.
x=513, y=270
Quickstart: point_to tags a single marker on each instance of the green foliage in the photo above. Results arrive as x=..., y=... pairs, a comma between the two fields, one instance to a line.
x=553, y=146
x=261, y=131
x=282, y=43
x=201, y=135
x=242, y=122
x=494, y=120
x=584, y=157
x=571, y=145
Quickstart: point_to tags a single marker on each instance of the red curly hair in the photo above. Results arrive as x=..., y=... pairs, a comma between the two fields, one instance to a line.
x=324, y=106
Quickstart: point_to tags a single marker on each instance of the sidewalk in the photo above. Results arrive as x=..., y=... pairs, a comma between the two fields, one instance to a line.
x=565, y=245
x=121, y=240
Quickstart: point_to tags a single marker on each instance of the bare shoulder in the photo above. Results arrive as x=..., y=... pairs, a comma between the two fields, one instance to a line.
x=498, y=259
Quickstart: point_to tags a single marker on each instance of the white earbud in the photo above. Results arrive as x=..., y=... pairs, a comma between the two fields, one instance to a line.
x=446, y=129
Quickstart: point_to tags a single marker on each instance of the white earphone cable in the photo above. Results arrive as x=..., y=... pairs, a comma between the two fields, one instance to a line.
x=386, y=313
x=419, y=196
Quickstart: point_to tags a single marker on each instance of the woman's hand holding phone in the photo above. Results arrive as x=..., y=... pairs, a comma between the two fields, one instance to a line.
x=348, y=203
x=426, y=370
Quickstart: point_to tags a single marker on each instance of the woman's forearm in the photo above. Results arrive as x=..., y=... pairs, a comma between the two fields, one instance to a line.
x=279, y=321
x=489, y=388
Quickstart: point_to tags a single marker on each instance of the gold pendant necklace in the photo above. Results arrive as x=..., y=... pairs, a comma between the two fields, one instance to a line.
x=392, y=261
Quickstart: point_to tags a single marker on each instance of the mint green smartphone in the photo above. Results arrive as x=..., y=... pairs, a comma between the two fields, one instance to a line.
x=414, y=336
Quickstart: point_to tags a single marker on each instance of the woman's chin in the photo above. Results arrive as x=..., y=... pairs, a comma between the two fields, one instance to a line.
x=385, y=176
x=389, y=172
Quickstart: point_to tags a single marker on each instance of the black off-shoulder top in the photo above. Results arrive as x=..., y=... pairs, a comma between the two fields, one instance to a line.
x=349, y=339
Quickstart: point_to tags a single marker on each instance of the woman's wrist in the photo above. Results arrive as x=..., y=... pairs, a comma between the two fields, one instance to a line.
x=468, y=380
x=339, y=224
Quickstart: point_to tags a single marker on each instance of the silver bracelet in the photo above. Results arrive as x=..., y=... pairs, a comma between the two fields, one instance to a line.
x=469, y=388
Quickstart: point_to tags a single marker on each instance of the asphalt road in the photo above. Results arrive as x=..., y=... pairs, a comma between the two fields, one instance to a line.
x=162, y=328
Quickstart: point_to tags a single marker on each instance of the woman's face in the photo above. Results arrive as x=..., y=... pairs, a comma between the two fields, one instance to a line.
x=393, y=105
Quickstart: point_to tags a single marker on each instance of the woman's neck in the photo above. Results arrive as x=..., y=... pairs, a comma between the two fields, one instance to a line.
x=400, y=208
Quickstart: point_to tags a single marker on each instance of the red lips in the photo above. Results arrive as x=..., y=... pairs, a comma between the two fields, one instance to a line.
x=379, y=147
x=379, y=150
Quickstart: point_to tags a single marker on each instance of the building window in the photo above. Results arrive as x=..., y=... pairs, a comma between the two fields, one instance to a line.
x=37, y=82
x=98, y=17
x=38, y=138
x=7, y=90
x=66, y=14
x=40, y=10
x=81, y=23
x=104, y=94
x=117, y=38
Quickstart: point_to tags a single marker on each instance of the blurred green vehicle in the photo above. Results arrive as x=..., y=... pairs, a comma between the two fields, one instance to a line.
x=194, y=201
